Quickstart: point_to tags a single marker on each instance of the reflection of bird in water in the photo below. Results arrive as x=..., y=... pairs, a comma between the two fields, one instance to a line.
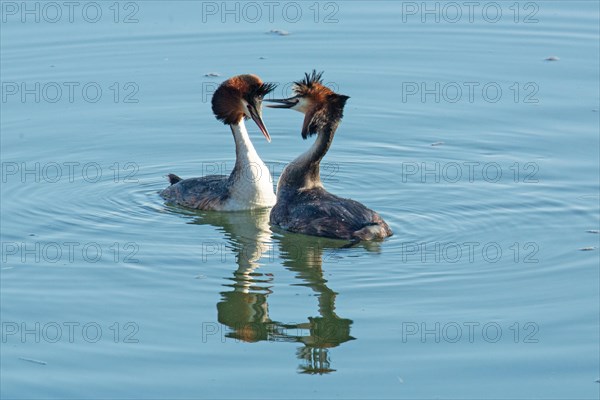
x=244, y=305
x=303, y=255
x=244, y=308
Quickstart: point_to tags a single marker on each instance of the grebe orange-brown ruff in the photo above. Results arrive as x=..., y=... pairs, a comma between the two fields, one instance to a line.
x=250, y=184
x=303, y=205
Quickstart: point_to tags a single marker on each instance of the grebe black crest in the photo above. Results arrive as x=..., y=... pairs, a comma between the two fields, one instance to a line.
x=250, y=184
x=303, y=205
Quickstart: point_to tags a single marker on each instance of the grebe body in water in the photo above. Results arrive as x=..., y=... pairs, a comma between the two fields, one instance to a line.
x=250, y=184
x=303, y=205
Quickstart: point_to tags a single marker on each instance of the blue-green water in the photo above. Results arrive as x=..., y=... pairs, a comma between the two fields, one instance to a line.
x=482, y=155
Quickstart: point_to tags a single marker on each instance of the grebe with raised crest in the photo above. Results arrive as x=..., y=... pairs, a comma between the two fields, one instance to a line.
x=249, y=185
x=303, y=205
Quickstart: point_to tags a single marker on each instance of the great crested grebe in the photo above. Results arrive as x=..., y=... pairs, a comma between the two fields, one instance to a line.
x=303, y=205
x=250, y=184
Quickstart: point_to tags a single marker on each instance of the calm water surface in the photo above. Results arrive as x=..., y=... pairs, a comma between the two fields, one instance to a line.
x=481, y=155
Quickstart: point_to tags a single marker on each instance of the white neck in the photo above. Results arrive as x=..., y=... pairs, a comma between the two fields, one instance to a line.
x=252, y=185
x=244, y=150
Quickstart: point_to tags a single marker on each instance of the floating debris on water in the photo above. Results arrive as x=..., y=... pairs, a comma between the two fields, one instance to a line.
x=31, y=360
x=400, y=380
x=212, y=74
x=200, y=277
x=587, y=248
x=552, y=58
x=437, y=143
x=593, y=231
x=279, y=32
x=262, y=58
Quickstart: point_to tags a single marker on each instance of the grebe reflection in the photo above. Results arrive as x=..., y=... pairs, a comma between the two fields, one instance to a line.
x=244, y=307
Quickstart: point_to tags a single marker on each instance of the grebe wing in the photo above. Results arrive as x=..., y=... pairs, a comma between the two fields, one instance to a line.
x=320, y=213
x=205, y=193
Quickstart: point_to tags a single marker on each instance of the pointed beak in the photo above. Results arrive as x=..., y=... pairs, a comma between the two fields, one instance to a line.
x=283, y=103
x=257, y=118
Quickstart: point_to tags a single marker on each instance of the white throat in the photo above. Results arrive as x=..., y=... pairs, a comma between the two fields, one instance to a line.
x=252, y=185
x=245, y=151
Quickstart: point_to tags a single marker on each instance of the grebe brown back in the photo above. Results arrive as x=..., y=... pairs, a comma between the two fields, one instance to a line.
x=303, y=205
x=250, y=184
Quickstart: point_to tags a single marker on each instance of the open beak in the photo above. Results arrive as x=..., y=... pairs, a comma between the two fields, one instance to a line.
x=283, y=103
x=257, y=118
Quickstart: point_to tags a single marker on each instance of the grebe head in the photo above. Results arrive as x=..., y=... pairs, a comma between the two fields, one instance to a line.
x=317, y=102
x=240, y=98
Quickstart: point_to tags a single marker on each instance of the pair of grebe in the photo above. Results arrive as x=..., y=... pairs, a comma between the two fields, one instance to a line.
x=302, y=204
